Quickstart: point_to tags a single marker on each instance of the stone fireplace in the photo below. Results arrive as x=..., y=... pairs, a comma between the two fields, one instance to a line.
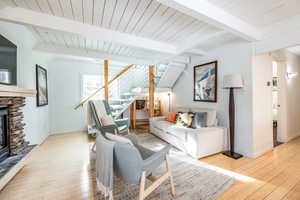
x=12, y=126
x=4, y=134
x=14, y=149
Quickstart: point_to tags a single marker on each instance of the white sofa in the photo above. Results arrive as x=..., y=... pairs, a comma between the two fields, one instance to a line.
x=199, y=142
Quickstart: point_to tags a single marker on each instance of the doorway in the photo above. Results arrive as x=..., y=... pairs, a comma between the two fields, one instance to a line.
x=275, y=102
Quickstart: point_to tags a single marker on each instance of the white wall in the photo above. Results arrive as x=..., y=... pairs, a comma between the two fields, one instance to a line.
x=65, y=92
x=289, y=97
x=262, y=104
x=293, y=96
x=232, y=59
x=36, y=118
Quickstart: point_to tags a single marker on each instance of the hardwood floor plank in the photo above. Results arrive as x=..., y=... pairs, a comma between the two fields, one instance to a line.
x=269, y=187
x=264, y=171
x=293, y=194
x=59, y=169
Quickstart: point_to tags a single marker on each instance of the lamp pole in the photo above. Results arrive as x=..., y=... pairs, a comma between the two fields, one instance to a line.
x=231, y=119
x=169, y=96
x=231, y=152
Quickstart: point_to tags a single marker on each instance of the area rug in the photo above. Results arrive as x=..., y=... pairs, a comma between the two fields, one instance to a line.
x=194, y=180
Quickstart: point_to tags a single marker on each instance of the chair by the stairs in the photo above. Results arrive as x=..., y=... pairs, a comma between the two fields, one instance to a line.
x=121, y=125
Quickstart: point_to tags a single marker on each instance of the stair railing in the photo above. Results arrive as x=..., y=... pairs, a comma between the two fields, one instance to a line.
x=131, y=85
x=109, y=82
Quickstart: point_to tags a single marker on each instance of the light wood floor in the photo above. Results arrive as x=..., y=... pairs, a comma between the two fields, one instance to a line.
x=59, y=169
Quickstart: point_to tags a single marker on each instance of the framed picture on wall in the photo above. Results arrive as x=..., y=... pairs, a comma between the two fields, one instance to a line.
x=205, y=82
x=41, y=86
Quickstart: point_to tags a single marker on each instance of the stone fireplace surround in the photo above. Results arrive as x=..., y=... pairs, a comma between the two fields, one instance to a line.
x=17, y=143
x=19, y=149
x=4, y=135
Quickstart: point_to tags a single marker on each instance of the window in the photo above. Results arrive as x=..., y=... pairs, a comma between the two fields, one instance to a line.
x=90, y=83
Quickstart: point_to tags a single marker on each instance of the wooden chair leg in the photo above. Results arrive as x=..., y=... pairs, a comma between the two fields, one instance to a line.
x=111, y=196
x=142, y=186
x=94, y=147
x=171, y=176
x=144, y=192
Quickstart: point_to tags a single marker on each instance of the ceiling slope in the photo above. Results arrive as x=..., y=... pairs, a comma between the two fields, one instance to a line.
x=147, y=30
x=28, y=17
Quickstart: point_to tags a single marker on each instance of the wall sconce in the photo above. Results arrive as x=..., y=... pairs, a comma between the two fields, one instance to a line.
x=291, y=75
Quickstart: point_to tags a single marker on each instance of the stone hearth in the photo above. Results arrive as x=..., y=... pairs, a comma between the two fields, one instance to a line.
x=12, y=161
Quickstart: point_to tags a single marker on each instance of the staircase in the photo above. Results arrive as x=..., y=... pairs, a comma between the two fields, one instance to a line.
x=124, y=91
x=128, y=84
x=127, y=88
x=170, y=73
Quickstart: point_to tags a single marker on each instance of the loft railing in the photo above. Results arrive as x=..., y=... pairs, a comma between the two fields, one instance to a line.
x=99, y=89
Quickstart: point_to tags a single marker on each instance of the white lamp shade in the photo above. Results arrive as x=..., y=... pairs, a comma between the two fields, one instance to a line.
x=233, y=81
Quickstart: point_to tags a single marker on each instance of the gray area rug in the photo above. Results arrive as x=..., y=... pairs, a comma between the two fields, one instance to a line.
x=194, y=180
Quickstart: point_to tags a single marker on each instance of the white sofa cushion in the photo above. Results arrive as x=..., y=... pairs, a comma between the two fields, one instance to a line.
x=163, y=125
x=178, y=131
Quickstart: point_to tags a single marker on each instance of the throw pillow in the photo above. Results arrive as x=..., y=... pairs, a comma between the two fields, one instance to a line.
x=107, y=120
x=117, y=138
x=171, y=117
x=184, y=119
x=199, y=120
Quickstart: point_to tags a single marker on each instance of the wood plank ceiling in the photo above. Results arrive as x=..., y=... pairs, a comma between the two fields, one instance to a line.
x=60, y=39
x=145, y=18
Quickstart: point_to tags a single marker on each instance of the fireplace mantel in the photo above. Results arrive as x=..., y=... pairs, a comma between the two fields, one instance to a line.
x=13, y=91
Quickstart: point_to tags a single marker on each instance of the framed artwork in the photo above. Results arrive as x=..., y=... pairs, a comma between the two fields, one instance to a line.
x=41, y=86
x=205, y=82
x=140, y=104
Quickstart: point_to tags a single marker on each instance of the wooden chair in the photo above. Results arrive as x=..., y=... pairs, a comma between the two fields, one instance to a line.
x=135, y=163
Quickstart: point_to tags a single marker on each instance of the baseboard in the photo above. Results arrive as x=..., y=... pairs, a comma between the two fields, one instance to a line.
x=289, y=138
x=262, y=151
x=67, y=132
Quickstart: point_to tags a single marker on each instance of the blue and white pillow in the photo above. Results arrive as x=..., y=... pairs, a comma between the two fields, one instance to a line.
x=199, y=120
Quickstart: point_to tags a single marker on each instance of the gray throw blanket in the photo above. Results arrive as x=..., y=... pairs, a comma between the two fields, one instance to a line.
x=104, y=165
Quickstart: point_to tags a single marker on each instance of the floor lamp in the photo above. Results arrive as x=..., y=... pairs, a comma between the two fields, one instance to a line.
x=169, y=98
x=231, y=82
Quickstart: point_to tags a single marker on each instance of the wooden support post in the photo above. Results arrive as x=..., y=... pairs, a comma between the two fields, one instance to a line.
x=151, y=91
x=133, y=115
x=106, y=80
